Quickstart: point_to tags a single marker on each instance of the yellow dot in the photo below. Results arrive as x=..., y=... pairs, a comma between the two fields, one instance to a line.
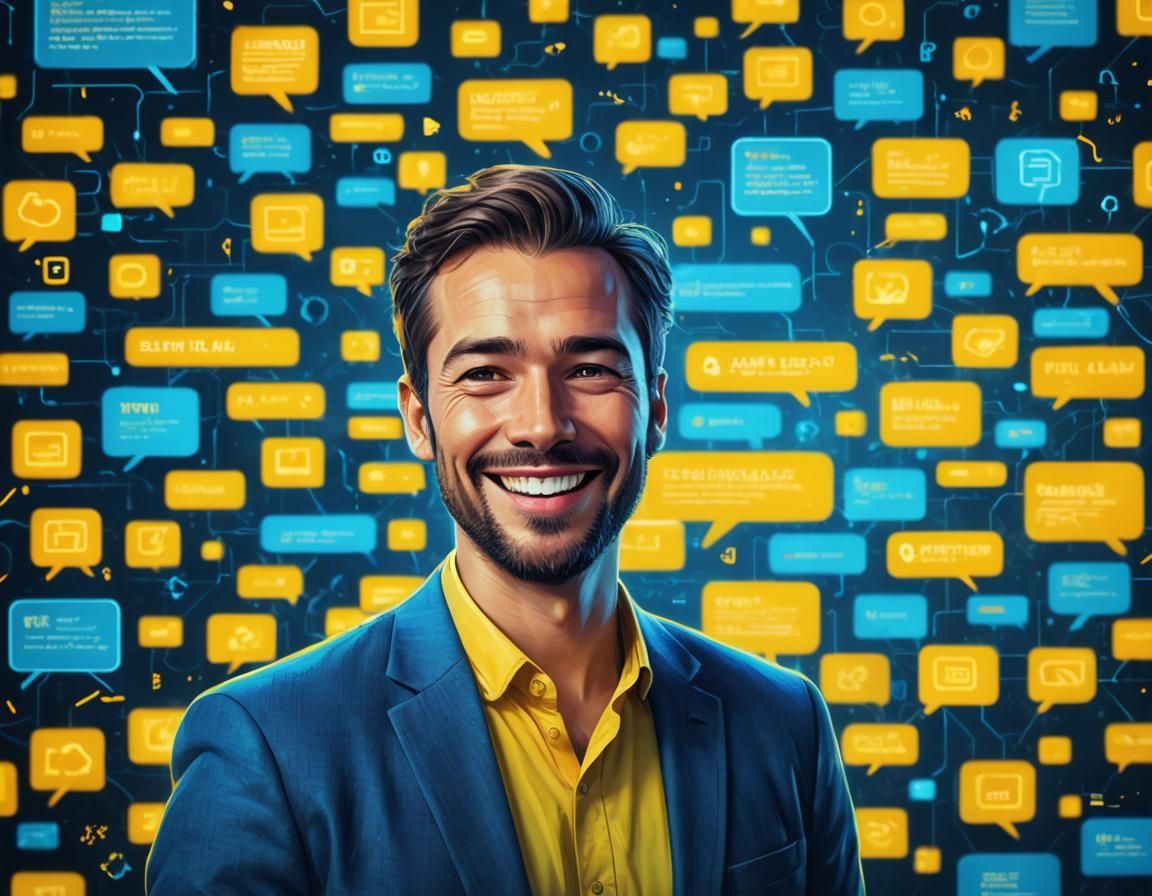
x=677, y=186
x=859, y=213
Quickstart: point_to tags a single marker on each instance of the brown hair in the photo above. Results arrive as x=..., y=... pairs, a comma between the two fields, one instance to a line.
x=535, y=210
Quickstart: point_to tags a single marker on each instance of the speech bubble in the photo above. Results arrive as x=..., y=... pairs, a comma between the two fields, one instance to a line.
x=151, y=733
x=999, y=610
x=920, y=168
x=794, y=368
x=1058, y=23
x=981, y=873
x=275, y=61
x=79, y=135
x=33, y=312
x=755, y=13
x=204, y=490
x=63, y=537
x=774, y=74
x=406, y=535
x=817, y=553
x=387, y=83
x=735, y=288
x=244, y=295
x=134, y=276
x=152, y=544
x=292, y=462
x=1132, y=639
x=1088, y=589
x=240, y=638
x=63, y=635
x=1084, y=501
x=726, y=488
x=700, y=95
x=881, y=94
x=165, y=185
x=1128, y=743
x=985, y=340
x=617, y=39
x=968, y=284
x=652, y=546
x=1037, y=171
x=372, y=396
x=885, y=493
x=650, y=144
x=903, y=227
x=527, y=111
x=361, y=267
x=1061, y=675
x=763, y=617
x=37, y=211
x=475, y=39
x=732, y=421
x=930, y=413
x=376, y=428
x=959, y=555
x=197, y=132
x=365, y=127
x=978, y=59
x=883, y=832
x=422, y=171
x=1099, y=260
x=1141, y=171
x=888, y=616
x=871, y=20
x=46, y=449
x=789, y=176
x=33, y=369
x=139, y=422
x=891, y=289
x=1021, y=434
x=394, y=23
x=66, y=759
x=1122, y=432
x=392, y=478
x=878, y=745
x=160, y=631
x=365, y=192
x=264, y=582
x=275, y=401
x=1116, y=846
x=1087, y=371
x=971, y=474
x=1070, y=323
x=856, y=678
x=211, y=346
x=288, y=222
x=269, y=148
x=334, y=533
x=958, y=675
x=379, y=593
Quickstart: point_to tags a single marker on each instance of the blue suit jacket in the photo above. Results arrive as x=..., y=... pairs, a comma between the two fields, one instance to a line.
x=364, y=765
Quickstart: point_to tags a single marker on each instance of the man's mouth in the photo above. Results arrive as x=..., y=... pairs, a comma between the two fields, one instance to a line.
x=544, y=487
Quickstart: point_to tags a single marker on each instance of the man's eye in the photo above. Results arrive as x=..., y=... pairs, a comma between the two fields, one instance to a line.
x=480, y=375
x=590, y=370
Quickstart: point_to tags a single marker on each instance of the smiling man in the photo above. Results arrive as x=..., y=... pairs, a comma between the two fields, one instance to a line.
x=519, y=725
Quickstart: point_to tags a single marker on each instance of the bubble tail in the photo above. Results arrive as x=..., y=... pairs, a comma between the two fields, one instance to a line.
x=1078, y=623
x=752, y=26
x=885, y=244
x=860, y=125
x=282, y=101
x=27, y=337
x=969, y=581
x=872, y=769
x=1033, y=288
x=765, y=102
x=1121, y=766
x=292, y=599
x=928, y=710
x=27, y=244
x=1010, y=828
x=612, y=65
x=756, y=444
x=625, y=170
x=83, y=156
x=1060, y=402
x=245, y=177
x=162, y=78
x=716, y=531
x=52, y=573
x=1108, y=293
x=875, y=324
x=1043, y=707
x=864, y=45
x=364, y=289
x=539, y=147
x=233, y=666
x=1037, y=53
x=87, y=570
x=803, y=398
x=1118, y=546
x=306, y=255
x=702, y=117
x=132, y=462
x=167, y=209
x=263, y=320
x=977, y=83
x=55, y=798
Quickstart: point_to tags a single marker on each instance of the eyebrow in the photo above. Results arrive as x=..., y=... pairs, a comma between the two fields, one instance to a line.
x=502, y=345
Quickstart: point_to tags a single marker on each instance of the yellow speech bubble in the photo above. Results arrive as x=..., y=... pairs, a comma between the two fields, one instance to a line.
x=904, y=227
x=383, y=428
x=726, y=488
x=33, y=369
x=528, y=111
x=199, y=132
x=63, y=537
x=204, y=490
x=698, y=94
x=160, y=631
x=755, y=13
x=652, y=546
x=383, y=23
x=998, y=791
x=288, y=222
x=978, y=59
x=871, y=20
x=79, y=135
x=772, y=74
x=38, y=211
x=421, y=171
x=971, y=474
x=650, y=144
x=1084, y=501
x=48, y=883
x=796, y=368
x=883, y=832
x=359, y=266
x=292, y=462
x=275, y=401
x=239, y=638
x=1122, y=432
x=211, y=346
x=691, y=231
x=945, y=555
x=379, y=593
x=985, y=340
x=9, y=790
x=275, y=60
x=360, y=346
x=891, y=289
x=152, y=544
x=475, y=39
x=877, y=745
x=1099, y=260
x=1132, y=639
x=958, y=675
x=64, y=759
x=143, y=823
x=406, y=535
x=617, y=39
x=270, y=582
x=763, y=617
x=46, y=449
x=930, y=413
x=151, y=733
x=1142, y=173
x=920, y=168
x=1061, y=675
x=134, y=276
x=164, y=185
x=856, y=678
x=1087, y=371
x=357, y=127
x=1054, y=750
x=1128, y=743
x=1078, y=105
x=392, y=478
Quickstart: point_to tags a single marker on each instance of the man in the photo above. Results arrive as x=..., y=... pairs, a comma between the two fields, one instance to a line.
x=518, y=725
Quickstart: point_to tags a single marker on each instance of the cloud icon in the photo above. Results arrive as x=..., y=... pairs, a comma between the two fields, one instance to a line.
x=38, y=210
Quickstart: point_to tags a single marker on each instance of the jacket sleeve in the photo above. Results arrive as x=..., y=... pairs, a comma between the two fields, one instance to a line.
x=833, y=845
x=228, y=827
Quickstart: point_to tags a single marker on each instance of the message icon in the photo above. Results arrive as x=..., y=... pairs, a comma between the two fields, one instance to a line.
x=275, y=60
x=64, y=759
x=66, y=536
x=239, y=638
x=46, y=449
x=1061, y=675
x=37, y=211
x=619, y=39
x=958, y=675
x=1000, y=792
x=871, y=20
x=978, y=59
x=151, y=733
x=292, y=223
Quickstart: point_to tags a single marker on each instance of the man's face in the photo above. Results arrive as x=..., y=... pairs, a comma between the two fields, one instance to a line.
x=539, y=415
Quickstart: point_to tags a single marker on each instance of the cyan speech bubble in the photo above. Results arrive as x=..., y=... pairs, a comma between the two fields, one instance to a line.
x=38, y=835
x=1085, y=590
x=781, y=176
x=248, y=295
x=1021, y=434
x=817, y=554
x=378, y=396
x=32, y=312
x=1070, y=323
x=735, y=288
x=973, y=284
x=878, y=94
x=394, y=83
x=64, y=635
x=751, y=422
x=885, y=493
x=1116, y=847
x=331, y=533
x=996, y=610
x=884, y=616
x=981, y=873
x=269, y=149
x=1052, y=23
x=1037, y=171
x=143, y=421
x=365, y=192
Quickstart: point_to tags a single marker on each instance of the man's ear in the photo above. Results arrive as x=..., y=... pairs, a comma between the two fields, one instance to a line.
x=658, y=413
x=417, y=429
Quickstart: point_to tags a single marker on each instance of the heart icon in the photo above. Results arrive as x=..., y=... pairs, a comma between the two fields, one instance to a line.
x=38, y=210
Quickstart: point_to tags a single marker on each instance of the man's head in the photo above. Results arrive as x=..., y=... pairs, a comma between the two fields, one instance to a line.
x=531, y=319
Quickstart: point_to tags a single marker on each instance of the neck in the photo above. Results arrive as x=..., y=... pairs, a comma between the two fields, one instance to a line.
x=568, y=630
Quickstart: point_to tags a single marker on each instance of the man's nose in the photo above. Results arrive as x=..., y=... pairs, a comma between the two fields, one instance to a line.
x=540, y=416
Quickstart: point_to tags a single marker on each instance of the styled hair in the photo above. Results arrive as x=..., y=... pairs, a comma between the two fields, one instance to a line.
x=535, y=210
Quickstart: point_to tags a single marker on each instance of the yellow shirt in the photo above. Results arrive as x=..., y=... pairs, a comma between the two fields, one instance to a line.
x=596, y=826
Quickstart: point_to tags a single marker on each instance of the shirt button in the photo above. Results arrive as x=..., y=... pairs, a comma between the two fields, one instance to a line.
x=553, y=733
x=597, y=887
x=538, y=687
x=583, y=787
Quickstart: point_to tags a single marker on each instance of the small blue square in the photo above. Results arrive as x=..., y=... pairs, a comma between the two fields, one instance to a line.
x=671, y=48
x=112, y=222
x=922, y=790
x=38, y=835
x=1037, y=171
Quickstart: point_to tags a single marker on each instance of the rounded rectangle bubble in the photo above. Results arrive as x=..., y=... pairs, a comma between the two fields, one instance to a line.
x=33, y=369
x=621, y=38
x=333, y=533
x=529, y=111
x=883, y=832
x=46, y=449
x=275, y=61
x=904, y=227
x=475, y=39
x=997, y=610
x=817, y=553
x=56, y=883
x=63, y=634
x=151, y=732
x=91, y=34
x=1128, y=743
x=366, y=127
x=755, y=13
x=789, y=176
x=891, y=289
x=1116, y=846
x=1058, y=23
x=79, y=135
x=66, y=537
x=1100, y=501
x=361, y=267
x=134, y=275
x=1061, y=675
x=197, y=132
x=31, y=312
x=270, y=582
x=372, y=396
x=38, y=211
x=290, y=223
x=243, y=295
x=650, y=144
x=391, y=83
x=970, y=284
x=698, y=94
x=65, y=759
x=877, y=745
x=204, y=490
x=930, y=413
x=945, y=555
x=985, y=340
x=871, y=20
x=161, y=185
x=1122, y=432
x=146, y=421
x=769, y=618
x=378, y=593
x=1037, y=171
x=978, y=59
x=878, y=94
x=652, y=546
x=699, y=421
x=292, y=462
x=971, y=473
x=211, y=346
x=1087, y=371
x=1132, y=639
x=275, y=401
x=1088, y=589
x=856, y=678
x=160, y=631
x=795, y=368
x=1029, y=872
x=383, y=23
x=920, y=168
x=1020, y=434
x=773, y=74
x=366, y=192
x=885, y=493
x=239, y=638
x=889, y=616
x=1100, y=260
x=269, y=149
x=735, y=288
x=958, y=675
x=392, y=478
x=378, y=428
x=152, y=544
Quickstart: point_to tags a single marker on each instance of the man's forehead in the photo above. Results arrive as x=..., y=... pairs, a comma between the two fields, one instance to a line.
x=488, y=277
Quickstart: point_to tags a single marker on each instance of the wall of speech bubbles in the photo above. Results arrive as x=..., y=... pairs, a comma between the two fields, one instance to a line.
x=907, y=378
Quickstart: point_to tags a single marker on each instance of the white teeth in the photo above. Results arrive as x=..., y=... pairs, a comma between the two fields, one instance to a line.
x=530, y=485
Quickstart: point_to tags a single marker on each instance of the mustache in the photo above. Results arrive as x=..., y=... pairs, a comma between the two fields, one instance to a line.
x=561, y=455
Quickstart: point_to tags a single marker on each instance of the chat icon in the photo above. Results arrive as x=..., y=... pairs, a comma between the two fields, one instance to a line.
x=530, y=111
x=65, y=537
x=383, y=23
x=64, y=759
x=270, y=582
x=46, y=449
x=755, y=13
x=1128, y=743
x=422, y=171
x=891, y=289
x=290, y=223
x=152, y=544
x=958, y=675
x=1132, y=639
x=79, y=135
x=769, y=618
x=361, y=267
x=978, y=59
x=617, y=39
x=134, y=276
x=37, y=211
x=871, y=20
x=883, y=832
x=877, y=745
x=900, y=227
x=650, y=144
x=772, y=74
x=275, y=60
x=164, y=186
x=795, y=368
x=856, y=678
x=1087, y=371
x=1100, y=501
x=1099, y=260
x=1061, y=675
x=653, y=546
x=700, y=95
x=151, y=733
x=239, y=638
x=378, y=593
x=998, y=791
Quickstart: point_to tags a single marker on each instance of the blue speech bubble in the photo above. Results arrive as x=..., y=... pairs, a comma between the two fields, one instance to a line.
x=1085, y=590
x=972, y=284
x=38, y=835
x=885, y=493
x=1070, y=323
x=812, y=553
x=1051, y=23
x=1018, y=873
x=377, y=396
x=1037, y=171
x=331, y=533
x=672, y=48
x=735, y=288
x=1116, y=847
x=140, y=422
x=269, y=149
x=64, y=634
x=789, y=176
x=884, y=616
x=1021, y=434
x=244, y=295
x=751, y=422
x=878, y=94
x=365, y=192
x=922, y=790
x=391, y=83
x=46, y=311
x=995, y=610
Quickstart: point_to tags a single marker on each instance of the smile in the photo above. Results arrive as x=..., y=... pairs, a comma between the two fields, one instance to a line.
x=545, y=494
